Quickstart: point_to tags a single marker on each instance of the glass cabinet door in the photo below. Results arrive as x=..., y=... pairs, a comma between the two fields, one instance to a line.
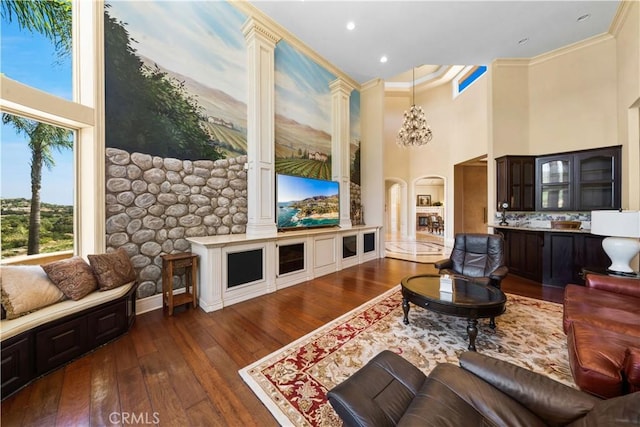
x=597, y=180
x=555, y=183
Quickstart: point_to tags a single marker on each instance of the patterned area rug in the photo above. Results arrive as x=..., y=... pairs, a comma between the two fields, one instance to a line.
x=292, y=382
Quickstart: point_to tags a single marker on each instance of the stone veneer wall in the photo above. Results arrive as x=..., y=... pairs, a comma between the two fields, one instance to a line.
x=154, y=204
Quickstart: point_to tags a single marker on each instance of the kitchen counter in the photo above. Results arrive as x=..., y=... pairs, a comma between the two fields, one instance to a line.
x=542, y=229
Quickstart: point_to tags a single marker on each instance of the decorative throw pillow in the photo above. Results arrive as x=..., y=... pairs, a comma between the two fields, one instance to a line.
x=26, y=288
x=73, y=276
x=112, y=269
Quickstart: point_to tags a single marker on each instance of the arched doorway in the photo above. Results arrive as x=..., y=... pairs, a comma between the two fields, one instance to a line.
x=395, y=201
x=429, y=218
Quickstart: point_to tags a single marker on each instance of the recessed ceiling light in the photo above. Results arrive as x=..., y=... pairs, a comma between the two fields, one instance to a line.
x=351, y=25
x=523, y=41
x=383, y=59
x=584, y=17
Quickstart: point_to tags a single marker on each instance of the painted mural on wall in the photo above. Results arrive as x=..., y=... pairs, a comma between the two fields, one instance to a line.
x=303, y=114
x=176, y=129
x=175, y=79
x=356, y=213
x=354, y=137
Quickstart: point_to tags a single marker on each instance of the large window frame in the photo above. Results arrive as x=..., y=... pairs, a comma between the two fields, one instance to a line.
x=84, y=115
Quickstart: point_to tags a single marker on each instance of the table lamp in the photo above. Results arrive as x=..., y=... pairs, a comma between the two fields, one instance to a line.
x=623, y=231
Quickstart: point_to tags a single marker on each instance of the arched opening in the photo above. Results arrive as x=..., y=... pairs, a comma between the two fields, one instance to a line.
x=395, y=200
x=429, y=217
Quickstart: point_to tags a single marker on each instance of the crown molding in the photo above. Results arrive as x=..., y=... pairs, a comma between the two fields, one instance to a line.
x=252, y=12
x=511, y=62
x=591, y=41
x=371, y=84
x=621, y=15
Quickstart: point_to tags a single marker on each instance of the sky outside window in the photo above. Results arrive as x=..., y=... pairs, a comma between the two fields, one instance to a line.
x=31, y=59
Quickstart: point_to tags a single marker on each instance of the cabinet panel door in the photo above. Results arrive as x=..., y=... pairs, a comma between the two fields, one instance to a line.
x=559, y=259
x=533, y=260
x=528, y=185
x=554, y=183
x=61, y=343
x=17, y=363
x=597, y=175
x=107, y=323
x=502, y=181
x=589, y=254
x=523, y=252
x=515, y=172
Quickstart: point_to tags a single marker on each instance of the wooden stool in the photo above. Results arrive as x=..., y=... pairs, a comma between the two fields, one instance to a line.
x=189, y=262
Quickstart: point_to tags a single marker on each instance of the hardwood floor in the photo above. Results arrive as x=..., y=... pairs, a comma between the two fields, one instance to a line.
x=182, y=370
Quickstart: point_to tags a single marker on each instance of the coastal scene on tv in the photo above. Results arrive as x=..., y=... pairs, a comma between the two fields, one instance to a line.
x=307, y=202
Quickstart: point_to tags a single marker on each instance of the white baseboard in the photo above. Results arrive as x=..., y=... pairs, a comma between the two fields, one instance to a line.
x=154, y=302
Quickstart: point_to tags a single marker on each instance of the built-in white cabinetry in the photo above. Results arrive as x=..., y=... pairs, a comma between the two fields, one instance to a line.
x=235, y=268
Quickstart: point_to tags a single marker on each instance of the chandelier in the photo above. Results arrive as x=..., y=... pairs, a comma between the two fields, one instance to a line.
x=414, y=131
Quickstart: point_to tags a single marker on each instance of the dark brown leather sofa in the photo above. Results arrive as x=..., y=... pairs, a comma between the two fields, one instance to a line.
x=602, y=323
x=482, y=391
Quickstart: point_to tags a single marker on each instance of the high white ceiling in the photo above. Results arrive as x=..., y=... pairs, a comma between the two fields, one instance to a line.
x=414, y=33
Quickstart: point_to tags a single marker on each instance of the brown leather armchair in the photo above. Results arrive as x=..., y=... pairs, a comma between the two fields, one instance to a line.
x=480, y=256
x=482, y=391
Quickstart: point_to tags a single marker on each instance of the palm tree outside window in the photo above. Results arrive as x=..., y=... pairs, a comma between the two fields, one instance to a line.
x=37, y=157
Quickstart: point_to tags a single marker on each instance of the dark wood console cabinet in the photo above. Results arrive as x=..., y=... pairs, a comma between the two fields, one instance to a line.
x=47, y=347
x=552, y=258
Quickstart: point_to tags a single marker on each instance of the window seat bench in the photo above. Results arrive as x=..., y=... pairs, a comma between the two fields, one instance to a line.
x=44, y=340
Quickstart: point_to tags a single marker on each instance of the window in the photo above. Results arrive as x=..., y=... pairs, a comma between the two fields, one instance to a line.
x=49, y=82
x=37, y=187
x=467, y=77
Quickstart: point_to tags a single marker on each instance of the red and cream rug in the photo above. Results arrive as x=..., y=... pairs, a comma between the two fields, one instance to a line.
x=293, y=381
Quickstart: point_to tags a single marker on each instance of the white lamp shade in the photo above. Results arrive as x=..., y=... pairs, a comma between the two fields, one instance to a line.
x=616, y=223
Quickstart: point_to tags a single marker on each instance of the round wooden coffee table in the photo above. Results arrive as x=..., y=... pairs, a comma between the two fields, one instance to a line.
x=470, y=300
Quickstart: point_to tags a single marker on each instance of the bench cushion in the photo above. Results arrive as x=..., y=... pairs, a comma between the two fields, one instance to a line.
x=10, y=328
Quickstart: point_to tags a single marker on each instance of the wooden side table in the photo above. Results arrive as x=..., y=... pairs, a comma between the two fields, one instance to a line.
x=170, y=263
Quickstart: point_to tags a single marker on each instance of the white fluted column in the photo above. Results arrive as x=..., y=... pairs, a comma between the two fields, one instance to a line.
x=340, y=152
x=261, y=43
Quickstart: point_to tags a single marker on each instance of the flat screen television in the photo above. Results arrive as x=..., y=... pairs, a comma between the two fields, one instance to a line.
x=303, y=202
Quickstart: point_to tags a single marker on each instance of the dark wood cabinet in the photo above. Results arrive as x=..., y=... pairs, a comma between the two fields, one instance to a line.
x=559, y=259
x=566, y=254
x=516, y=181
x=17, y=363
x=523, y=253
x=579, y=181
x=52, y=344
x=555, y=183
x=552, y=258
x=597, y=177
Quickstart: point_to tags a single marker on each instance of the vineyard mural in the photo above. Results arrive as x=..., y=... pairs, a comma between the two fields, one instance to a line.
x=175, y=79
x=354, y=137
x=303, y=114
x=176, y=128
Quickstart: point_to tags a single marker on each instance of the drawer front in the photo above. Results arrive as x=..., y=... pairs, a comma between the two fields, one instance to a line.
x=107, y=323
x=61, y=343
x=17, y=364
